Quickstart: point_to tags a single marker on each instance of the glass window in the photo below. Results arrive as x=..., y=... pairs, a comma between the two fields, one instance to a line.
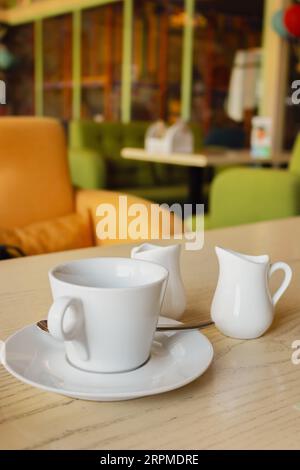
x=221, y=29
x=101, y=62
x=57, y=56
x=19, y=77
x=157, y=55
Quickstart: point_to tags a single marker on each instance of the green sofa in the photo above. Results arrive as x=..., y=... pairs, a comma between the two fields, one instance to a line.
x=247, y=195
x=95, y=161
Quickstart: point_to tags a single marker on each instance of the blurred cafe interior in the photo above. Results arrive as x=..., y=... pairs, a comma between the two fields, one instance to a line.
x=112, y=111
x=167, y=101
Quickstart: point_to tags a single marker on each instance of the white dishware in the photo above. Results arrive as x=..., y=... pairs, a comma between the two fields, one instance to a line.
x=174, y=303
x=242, y=306
x=105, y=310
x=36, y=358
x=161, y=139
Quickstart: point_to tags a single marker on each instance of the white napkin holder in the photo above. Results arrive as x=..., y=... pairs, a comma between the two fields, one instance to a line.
x=161, y=139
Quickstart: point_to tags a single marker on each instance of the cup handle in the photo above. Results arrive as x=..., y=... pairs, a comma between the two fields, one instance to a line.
x=76, y=332
x=286, y=281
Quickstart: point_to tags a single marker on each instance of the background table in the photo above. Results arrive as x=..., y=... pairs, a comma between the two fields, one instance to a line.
x=248, y=398
x=198, y=162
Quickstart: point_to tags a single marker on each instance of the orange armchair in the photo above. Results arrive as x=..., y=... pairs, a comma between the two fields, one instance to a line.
x=39, y=210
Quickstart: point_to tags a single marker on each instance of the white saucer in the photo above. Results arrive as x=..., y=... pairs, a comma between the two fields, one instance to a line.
x=37, y=359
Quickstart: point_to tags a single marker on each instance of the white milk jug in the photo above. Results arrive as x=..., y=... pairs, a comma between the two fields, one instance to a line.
x=242, y=306
x=174, y=303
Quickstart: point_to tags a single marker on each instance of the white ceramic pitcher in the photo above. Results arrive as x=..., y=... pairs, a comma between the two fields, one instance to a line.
x=242, y=306
x=174, y=303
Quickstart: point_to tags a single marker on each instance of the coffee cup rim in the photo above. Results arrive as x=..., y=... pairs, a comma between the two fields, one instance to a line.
x=164, y=276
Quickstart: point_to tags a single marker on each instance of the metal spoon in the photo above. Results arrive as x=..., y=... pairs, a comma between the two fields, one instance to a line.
x=43, y=325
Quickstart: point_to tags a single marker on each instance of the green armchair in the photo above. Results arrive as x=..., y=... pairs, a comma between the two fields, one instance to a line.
x=94, y=155
x=95, y=161
x=247, y=195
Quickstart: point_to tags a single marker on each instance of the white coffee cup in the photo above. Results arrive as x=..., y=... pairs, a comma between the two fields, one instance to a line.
x=106, y=311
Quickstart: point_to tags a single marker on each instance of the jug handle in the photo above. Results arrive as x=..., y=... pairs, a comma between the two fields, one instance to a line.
x=286, y=281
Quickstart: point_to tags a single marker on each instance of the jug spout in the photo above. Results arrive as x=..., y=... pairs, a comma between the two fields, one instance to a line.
x=165, y=255
x=142, y=248
x=150, y=246
x=231, y=256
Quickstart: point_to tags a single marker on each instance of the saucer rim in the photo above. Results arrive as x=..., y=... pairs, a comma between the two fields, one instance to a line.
x=111, y=396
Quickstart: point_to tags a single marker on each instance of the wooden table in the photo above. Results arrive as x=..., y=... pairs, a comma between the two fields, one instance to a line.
x=248, y=398
x=198, y=162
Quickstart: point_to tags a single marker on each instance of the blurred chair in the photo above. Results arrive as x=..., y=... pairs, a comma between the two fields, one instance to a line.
x=39, y=210
x=247, y=195
x=96, y=162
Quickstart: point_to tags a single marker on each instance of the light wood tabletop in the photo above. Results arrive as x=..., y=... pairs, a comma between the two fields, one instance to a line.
x=248, y=398
x=208, y=157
